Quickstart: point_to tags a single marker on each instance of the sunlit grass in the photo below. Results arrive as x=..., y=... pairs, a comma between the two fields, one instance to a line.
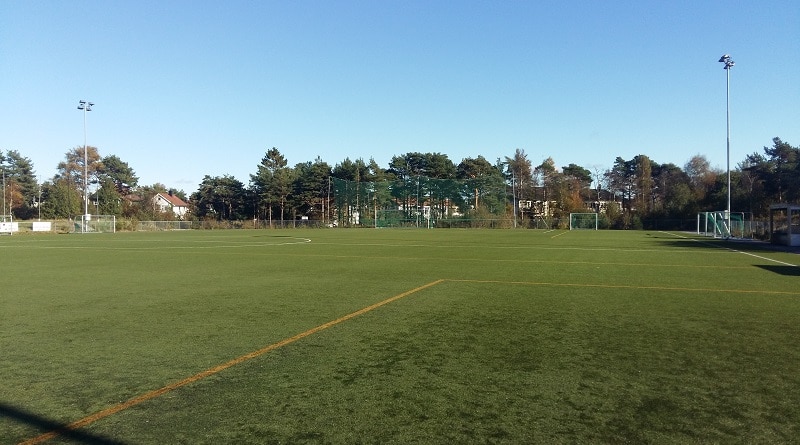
x=530, y=337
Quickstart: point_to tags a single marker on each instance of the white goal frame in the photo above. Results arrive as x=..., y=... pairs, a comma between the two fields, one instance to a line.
x=7, y=225
x=95, y=224
x=588, y=216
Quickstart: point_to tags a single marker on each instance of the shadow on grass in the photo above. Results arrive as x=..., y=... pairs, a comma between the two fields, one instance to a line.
x=717, y=243
x=695, y=243
x=46, y=425
x=790, y=271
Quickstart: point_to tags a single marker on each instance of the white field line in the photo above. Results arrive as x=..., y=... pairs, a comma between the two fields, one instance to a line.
x=734, y=250
x=207, y=245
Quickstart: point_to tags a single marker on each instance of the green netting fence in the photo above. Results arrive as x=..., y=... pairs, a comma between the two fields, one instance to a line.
x=419, y=201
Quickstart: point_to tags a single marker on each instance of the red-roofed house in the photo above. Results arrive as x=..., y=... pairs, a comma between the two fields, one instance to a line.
x=165, y=202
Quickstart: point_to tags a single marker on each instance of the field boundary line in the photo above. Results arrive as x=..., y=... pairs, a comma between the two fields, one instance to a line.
x=216, y=369
x=731, y=249
x=763, y=258
x=625, y=286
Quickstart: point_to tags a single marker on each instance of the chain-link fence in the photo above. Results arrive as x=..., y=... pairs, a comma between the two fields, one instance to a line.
x=418, y=201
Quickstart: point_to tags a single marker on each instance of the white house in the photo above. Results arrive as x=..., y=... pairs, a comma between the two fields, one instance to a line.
x=165, y=202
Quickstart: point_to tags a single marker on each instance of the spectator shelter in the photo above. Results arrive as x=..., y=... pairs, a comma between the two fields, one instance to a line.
x=784, y=224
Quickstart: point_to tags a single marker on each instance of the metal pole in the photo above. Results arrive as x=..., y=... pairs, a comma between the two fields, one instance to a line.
x=728, y=128
x=514, y=196
x=729, y=63
x=85, y=106
x=418, y=200
x=85, y=169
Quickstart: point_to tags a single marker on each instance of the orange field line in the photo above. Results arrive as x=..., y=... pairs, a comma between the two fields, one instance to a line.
x=211, y=371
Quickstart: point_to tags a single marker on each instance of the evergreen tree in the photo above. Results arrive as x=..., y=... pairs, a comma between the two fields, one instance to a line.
x=22, y=188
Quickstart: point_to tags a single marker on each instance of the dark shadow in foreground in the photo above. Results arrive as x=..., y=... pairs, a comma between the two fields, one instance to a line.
x=46, y=425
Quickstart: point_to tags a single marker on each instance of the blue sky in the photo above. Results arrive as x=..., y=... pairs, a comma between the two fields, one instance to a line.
x=185, y=89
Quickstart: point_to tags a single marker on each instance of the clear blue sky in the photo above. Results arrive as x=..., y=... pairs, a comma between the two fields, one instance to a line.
x=185, y=89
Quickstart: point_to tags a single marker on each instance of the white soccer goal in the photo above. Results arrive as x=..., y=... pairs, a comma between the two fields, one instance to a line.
x=715, y=224
x=95, y=224
x=7, y=225
x=588, y=221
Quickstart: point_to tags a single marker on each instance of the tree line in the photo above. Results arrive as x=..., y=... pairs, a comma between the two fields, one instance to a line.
x=642, y=188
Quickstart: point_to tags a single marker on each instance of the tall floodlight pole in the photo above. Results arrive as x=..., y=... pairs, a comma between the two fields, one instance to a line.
x=418, y=200
x=729, y=63
x=514, y=196
x=85, y=106
x=4, y=195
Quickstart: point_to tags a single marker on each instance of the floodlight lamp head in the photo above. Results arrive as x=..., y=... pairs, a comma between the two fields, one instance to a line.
x=724, y=58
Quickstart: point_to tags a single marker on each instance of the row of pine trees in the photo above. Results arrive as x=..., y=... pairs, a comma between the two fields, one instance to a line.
x=644, y=188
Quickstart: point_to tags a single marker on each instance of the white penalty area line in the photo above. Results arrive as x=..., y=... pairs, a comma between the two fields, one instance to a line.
x=732, y=250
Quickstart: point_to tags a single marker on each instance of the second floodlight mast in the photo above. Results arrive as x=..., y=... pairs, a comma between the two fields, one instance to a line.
x=729, y=63
x=85, y=106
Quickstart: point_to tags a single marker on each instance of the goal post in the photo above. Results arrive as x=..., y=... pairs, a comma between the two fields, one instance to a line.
x=95, y=224
x=7, y=225
x=715, y=224
x=586, y=221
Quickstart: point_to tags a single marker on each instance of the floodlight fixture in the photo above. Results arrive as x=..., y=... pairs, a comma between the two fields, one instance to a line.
x=726, y=59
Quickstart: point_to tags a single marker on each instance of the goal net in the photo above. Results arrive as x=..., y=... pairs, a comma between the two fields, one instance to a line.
x=714, y=224
x=586, y=221
x=95, y=224
x=721, y=224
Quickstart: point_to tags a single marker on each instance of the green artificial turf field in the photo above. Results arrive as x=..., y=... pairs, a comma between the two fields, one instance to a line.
x=397, y=336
